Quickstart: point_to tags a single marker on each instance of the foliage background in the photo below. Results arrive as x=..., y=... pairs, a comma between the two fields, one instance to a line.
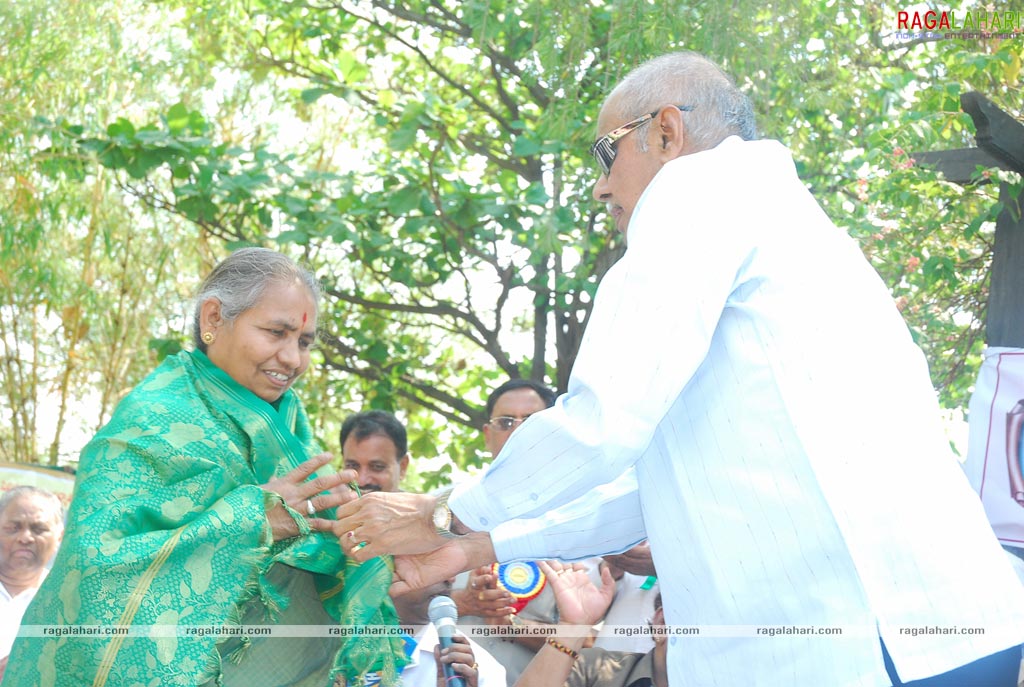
x=428, y=158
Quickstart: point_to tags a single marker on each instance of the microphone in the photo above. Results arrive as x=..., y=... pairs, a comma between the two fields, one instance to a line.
x=443, y=613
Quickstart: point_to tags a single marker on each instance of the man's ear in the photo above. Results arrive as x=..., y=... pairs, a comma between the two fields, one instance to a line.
x=673, y=140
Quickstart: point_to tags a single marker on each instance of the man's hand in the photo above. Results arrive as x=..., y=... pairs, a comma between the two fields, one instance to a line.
x=455, y=555
x=579, y=601
x=637, y=560
x=460, y=656
x=388, y=523
x=481, y=596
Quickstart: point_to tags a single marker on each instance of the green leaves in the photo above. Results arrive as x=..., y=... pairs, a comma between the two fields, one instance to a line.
x=443, y=189
x=411, y=121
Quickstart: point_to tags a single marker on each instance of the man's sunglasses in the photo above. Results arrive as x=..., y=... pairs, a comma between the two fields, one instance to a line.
x=603, y=149
x=506, y=422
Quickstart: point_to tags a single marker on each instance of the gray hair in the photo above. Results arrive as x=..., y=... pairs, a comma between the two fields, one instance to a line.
x=240, y=280
x=28, y=490
x=720, y=109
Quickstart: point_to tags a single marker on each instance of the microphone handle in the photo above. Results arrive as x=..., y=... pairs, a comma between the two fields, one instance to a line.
x=451, y=678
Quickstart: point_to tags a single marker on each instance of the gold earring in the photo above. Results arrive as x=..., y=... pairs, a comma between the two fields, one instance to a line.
x=207, y=337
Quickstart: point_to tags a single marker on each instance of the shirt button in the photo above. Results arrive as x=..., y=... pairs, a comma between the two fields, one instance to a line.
x=534, y=497
x=483, y=521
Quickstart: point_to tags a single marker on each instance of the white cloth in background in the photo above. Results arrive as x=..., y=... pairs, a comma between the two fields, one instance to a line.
x=749, y=362
x=633, y=607
x=999, y=387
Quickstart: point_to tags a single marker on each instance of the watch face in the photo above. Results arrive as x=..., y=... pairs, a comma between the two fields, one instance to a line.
x=441, y=518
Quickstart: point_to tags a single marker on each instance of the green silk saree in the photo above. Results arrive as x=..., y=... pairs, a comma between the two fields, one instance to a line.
x=167, y=530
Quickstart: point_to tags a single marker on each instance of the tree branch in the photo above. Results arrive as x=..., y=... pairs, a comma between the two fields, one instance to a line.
x=454, y=408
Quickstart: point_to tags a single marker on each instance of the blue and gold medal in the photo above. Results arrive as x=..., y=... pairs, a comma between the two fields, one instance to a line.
x=524, y=580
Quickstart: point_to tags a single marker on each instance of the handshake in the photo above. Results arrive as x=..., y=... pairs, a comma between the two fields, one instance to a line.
x=428, y=543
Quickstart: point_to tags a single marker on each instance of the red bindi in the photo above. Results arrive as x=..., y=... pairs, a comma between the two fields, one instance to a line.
x=303, y=318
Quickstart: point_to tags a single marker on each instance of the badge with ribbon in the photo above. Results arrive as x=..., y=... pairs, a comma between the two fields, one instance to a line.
x=522, y=579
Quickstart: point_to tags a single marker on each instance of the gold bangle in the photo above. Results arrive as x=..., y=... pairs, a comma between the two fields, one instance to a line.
x=563, y=648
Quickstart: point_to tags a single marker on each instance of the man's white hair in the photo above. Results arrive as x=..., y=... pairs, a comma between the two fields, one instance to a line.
x=720, y=109
x=57, y=508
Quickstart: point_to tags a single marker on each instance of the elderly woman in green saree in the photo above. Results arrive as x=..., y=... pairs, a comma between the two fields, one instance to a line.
x=189, y=518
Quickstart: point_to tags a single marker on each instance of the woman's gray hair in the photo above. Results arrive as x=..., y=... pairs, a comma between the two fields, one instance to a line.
x=240, y=281
x=720, y=109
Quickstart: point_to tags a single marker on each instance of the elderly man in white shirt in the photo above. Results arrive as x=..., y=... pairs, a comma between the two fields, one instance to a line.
x=793, y=475
x=31, y=528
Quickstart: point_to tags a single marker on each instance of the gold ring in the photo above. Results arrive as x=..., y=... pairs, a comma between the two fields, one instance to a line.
x=474, y=666
x=359, y=545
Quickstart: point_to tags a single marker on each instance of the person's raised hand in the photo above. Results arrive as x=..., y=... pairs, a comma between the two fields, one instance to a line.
x=580, y=602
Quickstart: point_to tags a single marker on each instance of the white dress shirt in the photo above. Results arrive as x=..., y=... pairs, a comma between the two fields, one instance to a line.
x=12, y=608
x=748, y=361
x=576, y=529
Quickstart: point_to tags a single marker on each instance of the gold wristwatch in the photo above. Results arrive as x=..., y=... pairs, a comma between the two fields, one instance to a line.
x=443, y=515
